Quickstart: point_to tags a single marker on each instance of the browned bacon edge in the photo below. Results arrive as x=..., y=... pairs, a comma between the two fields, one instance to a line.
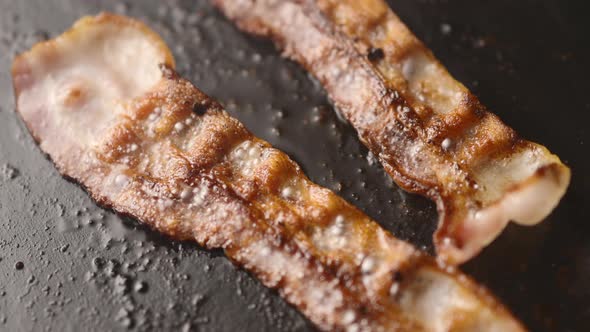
x=151, y=145
x=430, y=133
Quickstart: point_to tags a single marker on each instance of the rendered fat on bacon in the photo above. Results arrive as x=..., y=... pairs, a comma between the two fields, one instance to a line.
x=103, y=101
x=430, y=133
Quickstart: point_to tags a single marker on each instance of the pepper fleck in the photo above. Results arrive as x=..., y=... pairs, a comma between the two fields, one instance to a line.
x=200, y=108
x=375, y=54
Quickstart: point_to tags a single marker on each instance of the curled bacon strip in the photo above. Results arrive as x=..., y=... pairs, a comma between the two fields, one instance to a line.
x=429, y=132
x=105, y=104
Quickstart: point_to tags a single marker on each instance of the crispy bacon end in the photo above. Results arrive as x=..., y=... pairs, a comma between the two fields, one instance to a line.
x=430, y=133
x=105, y=104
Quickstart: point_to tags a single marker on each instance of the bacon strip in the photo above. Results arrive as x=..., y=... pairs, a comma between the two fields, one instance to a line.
x=105, y=104
x=429, y=132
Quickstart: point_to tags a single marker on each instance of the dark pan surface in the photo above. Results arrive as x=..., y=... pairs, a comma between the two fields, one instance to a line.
x=68, y=265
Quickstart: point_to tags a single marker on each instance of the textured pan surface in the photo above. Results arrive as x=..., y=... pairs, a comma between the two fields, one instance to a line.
x=543, y=279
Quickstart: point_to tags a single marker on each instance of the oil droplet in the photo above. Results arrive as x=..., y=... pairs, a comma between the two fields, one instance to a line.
x=368, y=265
x=141, y=287
x=348, y=317
x=446, y=144
x=179, y=126
x=287, y=192
x=394, y=289
x=8, y=172
x=121, y=180
x=446, y=29
x=98, y=263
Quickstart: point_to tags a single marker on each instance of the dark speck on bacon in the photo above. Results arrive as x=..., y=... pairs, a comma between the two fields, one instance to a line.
x=200, y=108
x=375, y=54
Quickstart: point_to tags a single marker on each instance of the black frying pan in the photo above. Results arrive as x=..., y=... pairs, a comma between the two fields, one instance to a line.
x=66, y=264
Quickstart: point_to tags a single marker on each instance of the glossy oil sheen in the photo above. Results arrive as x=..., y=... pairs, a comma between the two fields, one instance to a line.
x=67, y=264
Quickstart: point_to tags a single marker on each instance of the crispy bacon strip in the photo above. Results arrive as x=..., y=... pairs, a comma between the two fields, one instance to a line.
x=149, y=144
x=429, y=132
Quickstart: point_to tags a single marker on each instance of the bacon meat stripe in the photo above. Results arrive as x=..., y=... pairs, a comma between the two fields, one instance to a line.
x=430, y=133
x=105, y=104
